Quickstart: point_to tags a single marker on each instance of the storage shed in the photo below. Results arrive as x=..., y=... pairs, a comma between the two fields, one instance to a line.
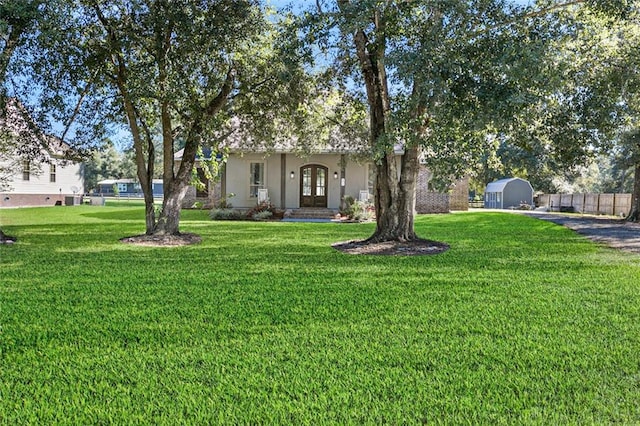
x=508, y=193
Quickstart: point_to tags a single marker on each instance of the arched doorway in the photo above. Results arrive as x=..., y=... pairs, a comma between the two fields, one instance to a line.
x=313, y=185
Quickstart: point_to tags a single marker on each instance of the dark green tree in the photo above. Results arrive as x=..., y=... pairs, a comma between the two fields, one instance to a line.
x=17, y=18
x=438, y=78
x=172, y=65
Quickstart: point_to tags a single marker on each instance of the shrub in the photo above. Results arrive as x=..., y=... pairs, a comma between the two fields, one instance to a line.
x=224, y=202
x=263, y=215
x=357, y=210
x=226, y=214
x=265, y=206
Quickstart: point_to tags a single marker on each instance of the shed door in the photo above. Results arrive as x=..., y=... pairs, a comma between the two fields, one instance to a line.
x=313, y=186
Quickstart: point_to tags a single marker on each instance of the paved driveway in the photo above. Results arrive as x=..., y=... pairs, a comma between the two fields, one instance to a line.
x=616, y=233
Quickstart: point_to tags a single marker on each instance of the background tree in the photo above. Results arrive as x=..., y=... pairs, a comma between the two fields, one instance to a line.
x=16, y=19
x=171, y=64
x=599, y=92
x=104, y=163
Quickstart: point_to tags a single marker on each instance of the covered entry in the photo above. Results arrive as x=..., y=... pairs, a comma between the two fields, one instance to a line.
x=313, y=186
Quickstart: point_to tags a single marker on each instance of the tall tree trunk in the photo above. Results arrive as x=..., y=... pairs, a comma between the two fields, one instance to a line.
x=176, y=184
x=395, y=190
x=395, y=198
x=139, y=129
x=634, y=213
x=175, y=187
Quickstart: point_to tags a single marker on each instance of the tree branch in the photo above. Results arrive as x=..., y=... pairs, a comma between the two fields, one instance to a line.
x=551, y=8
x=218, y=102
x=252, y=88
x=76, y=110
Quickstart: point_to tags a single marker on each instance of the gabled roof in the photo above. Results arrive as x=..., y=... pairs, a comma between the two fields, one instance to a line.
x=499, y=185
x=31, y=141
x=237, y=139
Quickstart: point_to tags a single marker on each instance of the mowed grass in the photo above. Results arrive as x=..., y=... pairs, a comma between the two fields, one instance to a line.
x=520, y=322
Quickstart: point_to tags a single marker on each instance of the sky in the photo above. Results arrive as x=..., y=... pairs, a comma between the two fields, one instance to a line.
x=305, y=4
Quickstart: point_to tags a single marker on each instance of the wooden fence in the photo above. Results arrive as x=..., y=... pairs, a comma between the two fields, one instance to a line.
x=605, y=204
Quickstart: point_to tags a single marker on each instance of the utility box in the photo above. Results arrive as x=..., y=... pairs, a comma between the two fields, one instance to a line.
x=72, y=200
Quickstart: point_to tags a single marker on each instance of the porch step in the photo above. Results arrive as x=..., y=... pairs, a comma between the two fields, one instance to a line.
x=312, y=213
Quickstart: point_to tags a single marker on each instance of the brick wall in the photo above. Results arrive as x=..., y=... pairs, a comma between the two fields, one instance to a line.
x=436, y=202
x=459, y=197
x=30, y=200
x=432, y=202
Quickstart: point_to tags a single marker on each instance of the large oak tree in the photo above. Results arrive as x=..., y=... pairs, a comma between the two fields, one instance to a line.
x=438, y=77
x=152, y=64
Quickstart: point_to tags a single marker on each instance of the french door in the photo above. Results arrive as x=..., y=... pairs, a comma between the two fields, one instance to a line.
x=313, y=186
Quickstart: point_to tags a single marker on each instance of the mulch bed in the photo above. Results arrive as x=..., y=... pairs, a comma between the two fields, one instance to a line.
x=418, y=247
x=183, y=239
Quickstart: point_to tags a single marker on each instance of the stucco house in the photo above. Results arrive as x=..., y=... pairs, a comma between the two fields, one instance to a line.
x=43, y=177
x=321, y=180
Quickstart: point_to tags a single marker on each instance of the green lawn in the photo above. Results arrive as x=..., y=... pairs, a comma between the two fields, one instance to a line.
x=520, y=322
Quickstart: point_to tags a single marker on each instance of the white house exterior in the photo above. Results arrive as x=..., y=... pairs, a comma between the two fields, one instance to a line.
x=42, y=183
x=41, y=178
x=288, y=181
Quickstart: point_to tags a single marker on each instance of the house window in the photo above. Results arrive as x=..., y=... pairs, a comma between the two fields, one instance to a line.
x=26, y=170
x=52, y=173
x=122, y=187
x=256, y=178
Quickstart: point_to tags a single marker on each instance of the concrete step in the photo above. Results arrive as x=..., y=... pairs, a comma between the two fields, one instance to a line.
x=312, y=213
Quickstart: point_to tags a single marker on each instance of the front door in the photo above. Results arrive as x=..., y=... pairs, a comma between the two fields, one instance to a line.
x=313, y=186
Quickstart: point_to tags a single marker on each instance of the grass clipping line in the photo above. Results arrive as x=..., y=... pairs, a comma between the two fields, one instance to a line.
x=417, y=247
x=183, y=239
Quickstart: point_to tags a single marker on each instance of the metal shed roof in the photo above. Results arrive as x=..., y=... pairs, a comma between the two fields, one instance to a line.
x=499, y=185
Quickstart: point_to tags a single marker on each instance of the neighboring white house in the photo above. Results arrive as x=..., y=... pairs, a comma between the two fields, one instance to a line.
x=508, y=193
x=44, y=181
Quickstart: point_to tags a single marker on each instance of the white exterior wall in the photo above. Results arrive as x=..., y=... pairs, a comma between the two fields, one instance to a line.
x=39, y=180
x=39, y=190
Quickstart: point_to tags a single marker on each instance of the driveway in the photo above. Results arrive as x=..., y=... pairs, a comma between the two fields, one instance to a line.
x=615, y=233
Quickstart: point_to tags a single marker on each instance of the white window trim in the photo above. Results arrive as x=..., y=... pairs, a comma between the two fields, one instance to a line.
x=264, y=179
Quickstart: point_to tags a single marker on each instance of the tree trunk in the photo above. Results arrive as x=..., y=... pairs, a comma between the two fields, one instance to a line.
x=634, y=212
x=169, y=220
x=395, y=191
x=395, y=198
x=176, y=184
x=175, y=189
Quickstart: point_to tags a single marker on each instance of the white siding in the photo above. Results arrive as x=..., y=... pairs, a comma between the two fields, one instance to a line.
x=67, y=177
